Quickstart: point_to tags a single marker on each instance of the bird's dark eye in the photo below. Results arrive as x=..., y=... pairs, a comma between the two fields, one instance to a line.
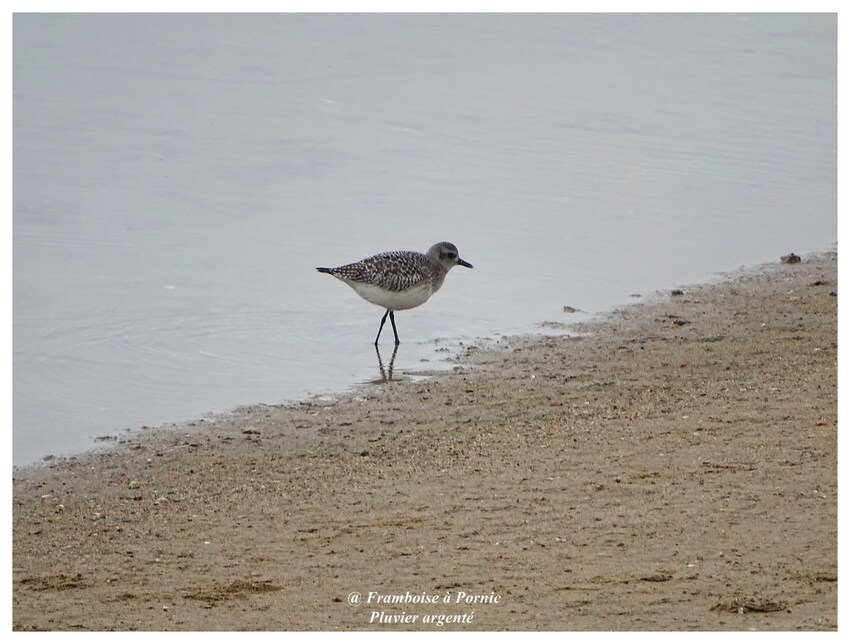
x=451, y=255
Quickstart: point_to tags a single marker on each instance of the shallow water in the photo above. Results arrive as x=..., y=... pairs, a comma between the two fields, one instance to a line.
x=177, y=179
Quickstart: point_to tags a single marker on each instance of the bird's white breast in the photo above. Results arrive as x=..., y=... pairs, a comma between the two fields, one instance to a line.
x=393, y=300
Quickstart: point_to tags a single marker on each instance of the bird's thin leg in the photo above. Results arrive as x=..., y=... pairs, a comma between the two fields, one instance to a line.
x=381, y=328
x=395, y=333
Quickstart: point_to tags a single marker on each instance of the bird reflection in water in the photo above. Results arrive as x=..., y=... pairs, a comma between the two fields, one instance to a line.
x=386, y=373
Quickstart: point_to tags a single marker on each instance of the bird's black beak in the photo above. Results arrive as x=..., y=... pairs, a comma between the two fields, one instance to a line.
x=462, y=262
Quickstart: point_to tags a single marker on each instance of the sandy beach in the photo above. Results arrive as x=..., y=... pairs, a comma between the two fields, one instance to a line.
x=669, y=467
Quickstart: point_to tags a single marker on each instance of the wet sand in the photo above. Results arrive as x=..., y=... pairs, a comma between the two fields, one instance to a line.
x=672, y=469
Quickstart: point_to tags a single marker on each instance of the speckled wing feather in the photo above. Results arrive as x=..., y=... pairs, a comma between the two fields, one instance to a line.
x=393, y=271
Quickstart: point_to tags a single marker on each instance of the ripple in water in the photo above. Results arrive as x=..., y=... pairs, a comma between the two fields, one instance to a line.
x=79, y=379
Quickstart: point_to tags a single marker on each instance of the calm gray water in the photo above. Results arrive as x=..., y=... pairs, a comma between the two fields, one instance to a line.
x=178, y=177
